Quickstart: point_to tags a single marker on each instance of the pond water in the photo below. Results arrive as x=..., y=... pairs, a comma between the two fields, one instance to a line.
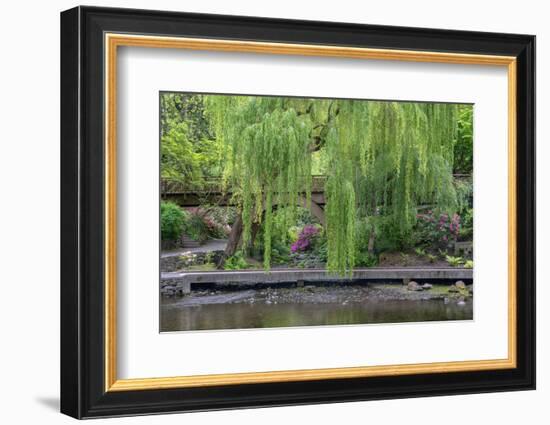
x=265, y=309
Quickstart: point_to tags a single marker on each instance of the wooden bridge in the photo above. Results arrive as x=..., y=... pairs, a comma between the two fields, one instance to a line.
x=212, y=192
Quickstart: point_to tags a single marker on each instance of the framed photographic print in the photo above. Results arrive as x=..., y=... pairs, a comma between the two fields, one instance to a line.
x=261, y=212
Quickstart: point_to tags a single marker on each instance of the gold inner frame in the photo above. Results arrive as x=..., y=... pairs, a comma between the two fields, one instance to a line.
x=113, y=41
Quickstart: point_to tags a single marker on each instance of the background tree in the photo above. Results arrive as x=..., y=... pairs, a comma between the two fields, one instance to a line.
x=463, y=153
x=189, y=150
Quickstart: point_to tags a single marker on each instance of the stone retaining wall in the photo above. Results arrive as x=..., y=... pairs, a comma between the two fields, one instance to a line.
x=173, y=263
x=169, y=287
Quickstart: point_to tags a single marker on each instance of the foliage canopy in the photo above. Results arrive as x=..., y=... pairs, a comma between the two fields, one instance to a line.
x=381, y=159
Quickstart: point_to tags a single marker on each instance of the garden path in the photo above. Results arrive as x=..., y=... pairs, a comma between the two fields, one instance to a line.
x=209, y=245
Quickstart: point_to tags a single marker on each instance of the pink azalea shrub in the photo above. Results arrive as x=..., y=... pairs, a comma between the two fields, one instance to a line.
x=305, y=239
x=440, y=230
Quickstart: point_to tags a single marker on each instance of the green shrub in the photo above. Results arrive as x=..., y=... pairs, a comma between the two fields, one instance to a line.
x=466, y=232
x=172, y=221
x=196, y=228
x=463, y=148
x=236, y=262
x=421, y=252
x=454, y=261
x=209, y=257
x=364, y=259
x=464, y=195
x=293, y=233
x=304, y=217
x=281, y=237
x=389, y=237
x=279, y=252
x=321, y=250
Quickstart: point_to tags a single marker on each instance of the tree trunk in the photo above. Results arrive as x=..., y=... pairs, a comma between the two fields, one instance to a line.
x=372, y=237
x=253, y=234
x=233, y=241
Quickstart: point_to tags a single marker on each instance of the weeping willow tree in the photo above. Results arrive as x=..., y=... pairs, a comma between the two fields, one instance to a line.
x=268, y=143
x=384, y=158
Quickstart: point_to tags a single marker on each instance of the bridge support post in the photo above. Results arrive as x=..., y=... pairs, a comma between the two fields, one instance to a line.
x=184, y=288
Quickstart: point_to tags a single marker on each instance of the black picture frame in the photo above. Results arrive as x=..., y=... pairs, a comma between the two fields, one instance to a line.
x=83, y=392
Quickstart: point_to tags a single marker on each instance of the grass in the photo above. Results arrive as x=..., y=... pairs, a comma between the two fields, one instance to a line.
x=207, y=267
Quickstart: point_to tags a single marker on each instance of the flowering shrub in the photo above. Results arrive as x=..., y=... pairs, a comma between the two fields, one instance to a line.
x=440, y=230
x=202, y=225
x=215, y=229
x=305, y=239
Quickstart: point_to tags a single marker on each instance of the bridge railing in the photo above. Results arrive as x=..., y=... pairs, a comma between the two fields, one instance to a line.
x=215, y=185
x=209, y=184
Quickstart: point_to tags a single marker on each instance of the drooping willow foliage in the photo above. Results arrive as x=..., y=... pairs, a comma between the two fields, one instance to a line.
x=384, y=158
x=267, y=153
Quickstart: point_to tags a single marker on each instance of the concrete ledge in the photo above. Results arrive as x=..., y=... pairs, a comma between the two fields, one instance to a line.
x=181, y=281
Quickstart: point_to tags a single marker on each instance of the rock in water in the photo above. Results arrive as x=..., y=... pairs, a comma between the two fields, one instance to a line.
x=414, y=286
x=460, y=285
x=427, y=286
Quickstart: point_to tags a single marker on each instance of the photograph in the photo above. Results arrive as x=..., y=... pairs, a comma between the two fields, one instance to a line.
x=285, y=210
x=279, y=211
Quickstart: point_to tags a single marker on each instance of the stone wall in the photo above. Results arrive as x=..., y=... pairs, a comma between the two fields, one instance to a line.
x=174, y=263
x=168, y=245
x=170, y=287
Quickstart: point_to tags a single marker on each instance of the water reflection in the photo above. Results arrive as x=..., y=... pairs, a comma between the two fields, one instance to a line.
x=176, y=316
